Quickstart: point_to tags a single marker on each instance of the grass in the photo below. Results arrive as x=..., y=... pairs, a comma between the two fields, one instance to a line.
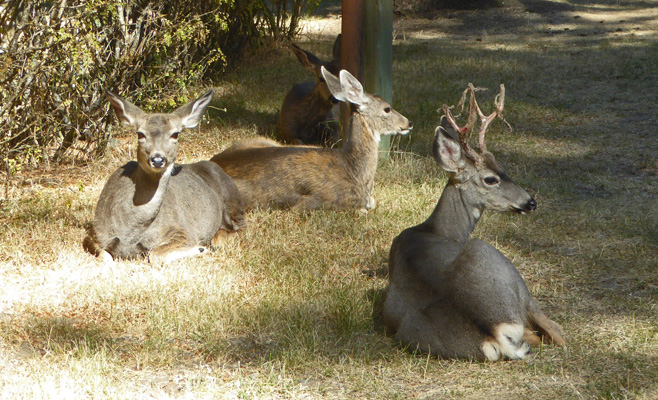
x=289, y=307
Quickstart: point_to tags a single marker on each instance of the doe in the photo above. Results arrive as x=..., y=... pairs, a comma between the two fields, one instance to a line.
x=309, y=114
x=156, y=208
x=310, y=177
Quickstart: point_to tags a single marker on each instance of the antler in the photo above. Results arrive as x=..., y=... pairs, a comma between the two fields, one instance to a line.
x=473, y=113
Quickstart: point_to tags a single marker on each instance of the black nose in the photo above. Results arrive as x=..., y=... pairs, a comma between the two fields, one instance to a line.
x=531, y=205
x=157, y=161
x=411, y=125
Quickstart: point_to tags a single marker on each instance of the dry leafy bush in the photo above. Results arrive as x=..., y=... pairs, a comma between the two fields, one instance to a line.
x=57, y=59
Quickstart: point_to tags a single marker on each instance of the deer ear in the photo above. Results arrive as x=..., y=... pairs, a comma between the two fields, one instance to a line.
x=308, y=60
x=447, y=151
x=127, y=112
x=333, y=83
x=192, y=112
x=337, y=48
x=445, y=124
x=352, y=88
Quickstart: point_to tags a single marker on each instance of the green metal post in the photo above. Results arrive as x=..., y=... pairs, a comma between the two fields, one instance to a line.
x=378, y=54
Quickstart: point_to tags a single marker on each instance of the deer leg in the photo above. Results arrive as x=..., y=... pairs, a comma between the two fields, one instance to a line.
x=90, y=245
x=159, y=258
x=220, y=238
x=106, y=257
x=548, y=330
x=531, y=337
x=176, y=247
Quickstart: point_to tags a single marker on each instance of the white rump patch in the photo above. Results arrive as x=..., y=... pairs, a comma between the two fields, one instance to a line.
x=507, y=342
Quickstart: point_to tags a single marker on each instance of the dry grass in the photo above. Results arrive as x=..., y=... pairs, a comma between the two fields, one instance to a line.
x=288, y=308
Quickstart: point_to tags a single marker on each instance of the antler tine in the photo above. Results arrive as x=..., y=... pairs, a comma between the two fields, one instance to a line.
x=473, y=113
x=499, y=102
x=465, y=132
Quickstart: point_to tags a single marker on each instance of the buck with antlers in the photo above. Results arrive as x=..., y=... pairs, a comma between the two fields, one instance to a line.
x=156, y=208
x=308, y=177
x=309, y=114
x=448, y=294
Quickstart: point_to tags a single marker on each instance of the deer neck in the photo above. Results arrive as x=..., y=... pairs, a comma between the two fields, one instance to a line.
x=150, y=191
x=360, y=150
x=313, y=109
x=454, y=217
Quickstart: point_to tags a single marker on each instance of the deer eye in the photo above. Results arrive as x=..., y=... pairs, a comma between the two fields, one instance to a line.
x=491, y=180
x=174, y=135
x=141, y=136
x=387, y=110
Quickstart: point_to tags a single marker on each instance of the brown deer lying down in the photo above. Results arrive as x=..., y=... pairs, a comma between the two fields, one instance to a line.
x=306, y=115
x=453, y=296
x=155, y=208
x=307, y=177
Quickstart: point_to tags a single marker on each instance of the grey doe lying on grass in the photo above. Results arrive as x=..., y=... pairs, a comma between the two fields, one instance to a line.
x=448, y=294
x=308, y=177
x=306, y=115
x=156, y=208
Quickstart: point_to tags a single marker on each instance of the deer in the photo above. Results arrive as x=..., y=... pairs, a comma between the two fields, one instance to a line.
x=453, y=296
x=309, y=114
x=312, y=177
x=156, y=208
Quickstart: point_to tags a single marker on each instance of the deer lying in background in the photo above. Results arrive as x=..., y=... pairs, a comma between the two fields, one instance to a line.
x=307, y=177
x=155, y=208
x=306, y=115
x=453, y=296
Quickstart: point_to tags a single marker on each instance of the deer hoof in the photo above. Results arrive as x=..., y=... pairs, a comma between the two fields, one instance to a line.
x=371, y=203
x=106, y=257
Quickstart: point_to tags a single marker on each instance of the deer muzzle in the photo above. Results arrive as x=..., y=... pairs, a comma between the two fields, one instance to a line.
x=531, y=205
x=157, y=161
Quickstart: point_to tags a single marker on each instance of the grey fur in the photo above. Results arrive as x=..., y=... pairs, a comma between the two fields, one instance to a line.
x=448, y=294
x=156, y=208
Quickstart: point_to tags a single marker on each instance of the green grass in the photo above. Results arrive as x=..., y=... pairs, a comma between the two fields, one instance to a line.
x=289, y=307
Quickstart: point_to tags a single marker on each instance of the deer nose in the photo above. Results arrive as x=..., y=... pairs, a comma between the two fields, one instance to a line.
x=531, y=205
x=411, y=125
x=157, y=161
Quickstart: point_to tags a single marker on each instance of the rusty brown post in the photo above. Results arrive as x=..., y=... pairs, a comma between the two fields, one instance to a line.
x=351, y=58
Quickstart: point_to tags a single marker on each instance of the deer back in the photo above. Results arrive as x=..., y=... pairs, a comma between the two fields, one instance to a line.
x=308, y=177
x=153, y=202
x=454, y=296
x=306, y=115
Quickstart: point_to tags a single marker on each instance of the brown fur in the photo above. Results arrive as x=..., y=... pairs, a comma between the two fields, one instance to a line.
x=306, y=115
x=307, y=177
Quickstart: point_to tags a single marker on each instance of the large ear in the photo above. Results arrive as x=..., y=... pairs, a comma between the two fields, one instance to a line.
x=308, y=60
x=352, y=88
x=127, y=112
x=333, y=83
x=192, y=112
x=447, y=150
x=338, y=44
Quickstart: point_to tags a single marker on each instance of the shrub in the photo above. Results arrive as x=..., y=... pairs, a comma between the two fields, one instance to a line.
x=58, y=57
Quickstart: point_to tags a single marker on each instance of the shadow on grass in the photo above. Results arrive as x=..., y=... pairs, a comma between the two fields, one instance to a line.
x=238, y=114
